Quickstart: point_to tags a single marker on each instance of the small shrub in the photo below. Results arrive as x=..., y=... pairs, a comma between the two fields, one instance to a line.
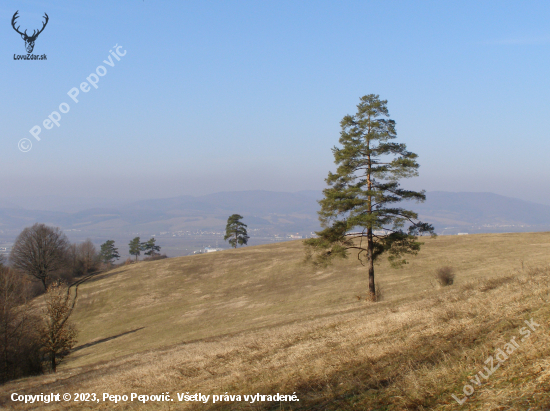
x=128, y=261
x=445, y=275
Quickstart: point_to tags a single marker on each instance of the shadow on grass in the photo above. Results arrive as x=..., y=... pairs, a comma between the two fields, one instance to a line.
x=90, y=344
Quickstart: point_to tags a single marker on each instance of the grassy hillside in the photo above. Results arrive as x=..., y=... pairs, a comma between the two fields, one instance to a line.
x=257, y=319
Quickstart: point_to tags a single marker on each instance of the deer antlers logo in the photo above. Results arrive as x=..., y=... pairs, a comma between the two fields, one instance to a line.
x=29, y=40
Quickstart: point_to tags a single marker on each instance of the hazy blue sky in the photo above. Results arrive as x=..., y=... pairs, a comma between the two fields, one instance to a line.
x=240, y=95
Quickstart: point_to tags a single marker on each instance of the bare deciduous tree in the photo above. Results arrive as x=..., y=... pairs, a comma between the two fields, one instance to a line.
x=58, y=335
x=88, y=255
x=19, y=348
x=39, y=251
x=83, y=258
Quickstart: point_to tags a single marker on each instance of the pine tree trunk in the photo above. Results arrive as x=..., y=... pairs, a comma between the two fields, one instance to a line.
x=370, y=239
x=54, y=368
x=370, y=254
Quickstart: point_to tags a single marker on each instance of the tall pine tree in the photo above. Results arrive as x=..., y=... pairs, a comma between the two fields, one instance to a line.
x=359, y=210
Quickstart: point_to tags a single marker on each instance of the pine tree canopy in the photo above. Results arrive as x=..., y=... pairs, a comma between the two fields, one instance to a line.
x=109, y=252
x=136, y=247
x=150, y=248
x=235, y=231
x=360, y=206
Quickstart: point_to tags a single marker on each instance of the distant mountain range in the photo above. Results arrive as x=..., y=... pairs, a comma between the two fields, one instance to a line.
x=266, y=212
x=451, y=213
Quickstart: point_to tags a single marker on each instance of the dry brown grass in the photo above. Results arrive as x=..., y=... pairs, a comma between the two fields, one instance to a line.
x=266, y=324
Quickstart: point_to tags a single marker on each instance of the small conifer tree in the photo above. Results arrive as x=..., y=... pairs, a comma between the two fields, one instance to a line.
x=235, y=231
x=136, y=247
x=150, y=248
x=108, y=252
